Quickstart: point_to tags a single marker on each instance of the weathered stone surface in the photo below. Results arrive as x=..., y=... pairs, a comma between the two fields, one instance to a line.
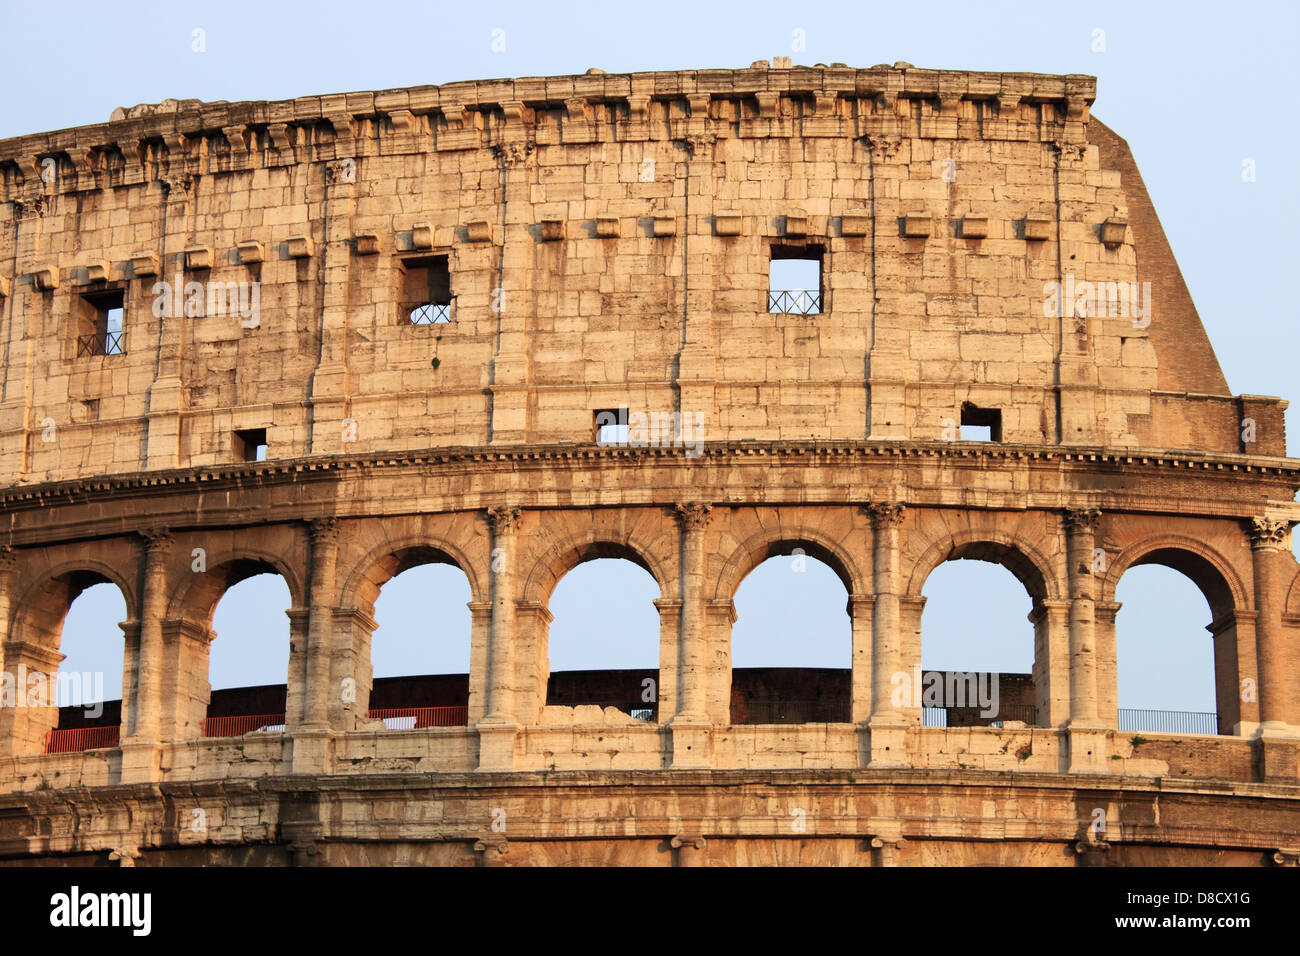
x=424, y=298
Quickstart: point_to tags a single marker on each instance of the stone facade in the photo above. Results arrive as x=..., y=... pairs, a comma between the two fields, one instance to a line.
x=988, y=255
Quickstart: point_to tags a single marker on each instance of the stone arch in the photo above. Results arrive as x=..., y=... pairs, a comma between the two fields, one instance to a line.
x=1207, y=568
x=563, y=556
x=1225, y=593
x=1038, y=575
x=188, y=623
x=757, y=548
x=545, y=574
x=224, y=571
x=387, y=560
x=1028, y=564
x=798, y=694
x=1292, y=604
x=361, y=589
x=34, y=646
x=37, y=608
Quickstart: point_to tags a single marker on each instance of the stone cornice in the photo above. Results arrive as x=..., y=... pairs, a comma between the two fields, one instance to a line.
x=1284, y=470
x=525, y=781
x=139, y=142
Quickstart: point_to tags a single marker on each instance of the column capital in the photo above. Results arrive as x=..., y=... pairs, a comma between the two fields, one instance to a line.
x=324, y=530
x=8, y=559
x=1081, y=520
x=1270, y=534
x=693, y=143
x=892, y=840
x=504, y=519
x=885, y=514
x=494, y=844
x=157, y=540
x=1286, y=856
x=693, y=515
x=1090, y=844
x=517, y=153
x=883, y=147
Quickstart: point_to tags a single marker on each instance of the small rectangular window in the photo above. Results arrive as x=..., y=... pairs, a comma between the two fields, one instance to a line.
x=980, y=424
x=795, y=280
x=425, y=294
x=611, y=426
x=99, y=320
x=250, y=444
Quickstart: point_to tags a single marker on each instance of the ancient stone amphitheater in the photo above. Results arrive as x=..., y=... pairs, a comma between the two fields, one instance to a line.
x=519, y=324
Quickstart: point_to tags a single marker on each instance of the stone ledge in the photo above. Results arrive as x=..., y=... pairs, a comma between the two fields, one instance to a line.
x=1286, y=468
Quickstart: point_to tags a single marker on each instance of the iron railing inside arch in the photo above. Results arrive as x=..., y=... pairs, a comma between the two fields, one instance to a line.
x=100, y=343
x=431, y=313
x=243, y=724
x=1169, y=721
x=794, y=301
x=417, y=718
x=77, y=739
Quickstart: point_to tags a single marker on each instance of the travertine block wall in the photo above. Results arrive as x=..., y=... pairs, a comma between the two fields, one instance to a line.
x=608, y=240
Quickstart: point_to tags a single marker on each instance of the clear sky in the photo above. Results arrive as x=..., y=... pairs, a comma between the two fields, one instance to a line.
x=1200, y=91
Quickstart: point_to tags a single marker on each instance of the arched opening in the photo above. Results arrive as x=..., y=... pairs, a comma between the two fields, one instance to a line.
x=75, y=703
x=1175, y=667
x=604, y=635
x=420, y=650
x=242, y=645
x=792, y=640
x=978, y=659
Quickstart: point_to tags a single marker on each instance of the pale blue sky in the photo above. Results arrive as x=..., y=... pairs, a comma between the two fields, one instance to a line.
x=1195, y=88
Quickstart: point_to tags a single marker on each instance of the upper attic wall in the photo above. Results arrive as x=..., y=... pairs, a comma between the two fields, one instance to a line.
x=472, y=114
x=1186, y=359
x=606, y=242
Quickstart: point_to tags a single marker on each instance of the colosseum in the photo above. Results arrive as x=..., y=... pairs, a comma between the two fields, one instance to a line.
x=517, y=325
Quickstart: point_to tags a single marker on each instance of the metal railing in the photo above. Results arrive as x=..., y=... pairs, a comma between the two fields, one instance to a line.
x=417, y=718
x=238, y=726
x=100, y=343
x=1026, y=714
x=81, y=738
x=934, y=716
x=1169, y=721
x=794, y=301
x=791, y=712
x=431, y=313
